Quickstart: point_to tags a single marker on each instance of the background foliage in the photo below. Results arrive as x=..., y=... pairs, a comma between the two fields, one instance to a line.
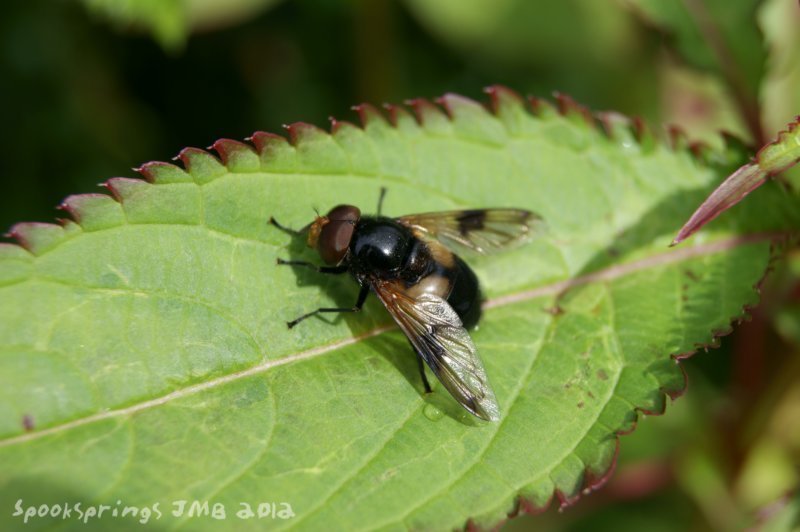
x=91, y=89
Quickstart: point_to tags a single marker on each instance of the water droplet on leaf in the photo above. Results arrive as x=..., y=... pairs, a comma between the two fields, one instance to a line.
x=433, y=413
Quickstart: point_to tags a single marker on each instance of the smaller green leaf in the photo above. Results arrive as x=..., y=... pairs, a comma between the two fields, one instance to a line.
x=515, y=31
x=717, y=36
x=171, y=21
x=775, y=157
x=779, y=21
x=781, y=516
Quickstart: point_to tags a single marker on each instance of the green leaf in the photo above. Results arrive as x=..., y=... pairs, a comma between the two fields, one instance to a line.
x=781, y=516
x=171, y=21
x=145, y=357
x=710, y=33
x=779, y=21
x=699, y=101
x=772, y=159
x=519, y=32
x=716, y=36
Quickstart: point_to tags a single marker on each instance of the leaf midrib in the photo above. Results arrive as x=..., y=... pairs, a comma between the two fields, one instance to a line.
x=604, y=275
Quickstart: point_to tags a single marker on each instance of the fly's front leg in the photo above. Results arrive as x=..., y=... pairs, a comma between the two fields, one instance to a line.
x=380, y=200
x=362, y=296
x=289, y=230
x=298, y=232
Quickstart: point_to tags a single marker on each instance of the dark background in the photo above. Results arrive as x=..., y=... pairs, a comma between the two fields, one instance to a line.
x=84, y=100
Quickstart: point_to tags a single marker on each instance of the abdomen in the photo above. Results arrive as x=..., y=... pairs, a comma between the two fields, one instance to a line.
x=465, y=298
x=433, y=269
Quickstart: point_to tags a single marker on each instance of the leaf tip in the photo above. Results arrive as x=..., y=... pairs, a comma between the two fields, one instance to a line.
x=368, y=114
x=453, y=104
x=300, y=132
x=593, y=480
x=733, y=190
x=161, y=172
x=569, y=108
x=677, y=138
x=540, y=107
x=237, y=156
x=398, y=113
x=77, y=205
x=200, y=164
x=263, y=140
x=501, y=96
x=188, y=157
x=643, y=134
x=338, y=126
x=700, y=150
x=565, y=501
x=783, y=152
x=122, y=188
x=616, y=126
x=229, y=149
x=424, y=110
x=36, y=237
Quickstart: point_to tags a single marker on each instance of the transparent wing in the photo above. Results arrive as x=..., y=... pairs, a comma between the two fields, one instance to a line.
x=435, y=330
x=482, y=230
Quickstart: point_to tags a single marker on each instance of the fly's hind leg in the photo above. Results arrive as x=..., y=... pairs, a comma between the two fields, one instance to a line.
x=421, y=365
x=362, y=296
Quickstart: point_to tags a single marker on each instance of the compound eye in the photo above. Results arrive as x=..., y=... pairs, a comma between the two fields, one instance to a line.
x=344, y=213
x=336, y=233
x=334, y=240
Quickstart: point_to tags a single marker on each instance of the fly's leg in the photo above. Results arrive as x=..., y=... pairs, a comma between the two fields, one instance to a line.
x=362, y=296
x=320, y=269
x=294, y=232
x=380, y=200
x=422, y=372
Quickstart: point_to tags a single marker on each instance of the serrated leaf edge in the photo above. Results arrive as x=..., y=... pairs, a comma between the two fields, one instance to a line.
x=231, y=152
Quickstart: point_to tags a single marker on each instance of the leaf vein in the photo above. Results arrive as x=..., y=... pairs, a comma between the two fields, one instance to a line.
x=612, y=272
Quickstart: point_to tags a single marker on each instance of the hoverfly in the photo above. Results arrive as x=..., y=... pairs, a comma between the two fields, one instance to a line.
x=429, y=291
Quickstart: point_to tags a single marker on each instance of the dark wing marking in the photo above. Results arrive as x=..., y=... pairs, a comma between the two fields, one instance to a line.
x=436, y=332
x=482, y=230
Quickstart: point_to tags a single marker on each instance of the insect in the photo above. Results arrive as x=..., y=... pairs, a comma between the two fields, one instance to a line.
x=429, y=291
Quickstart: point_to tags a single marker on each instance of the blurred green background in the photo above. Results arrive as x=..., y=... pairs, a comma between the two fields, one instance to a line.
x=92, y=89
